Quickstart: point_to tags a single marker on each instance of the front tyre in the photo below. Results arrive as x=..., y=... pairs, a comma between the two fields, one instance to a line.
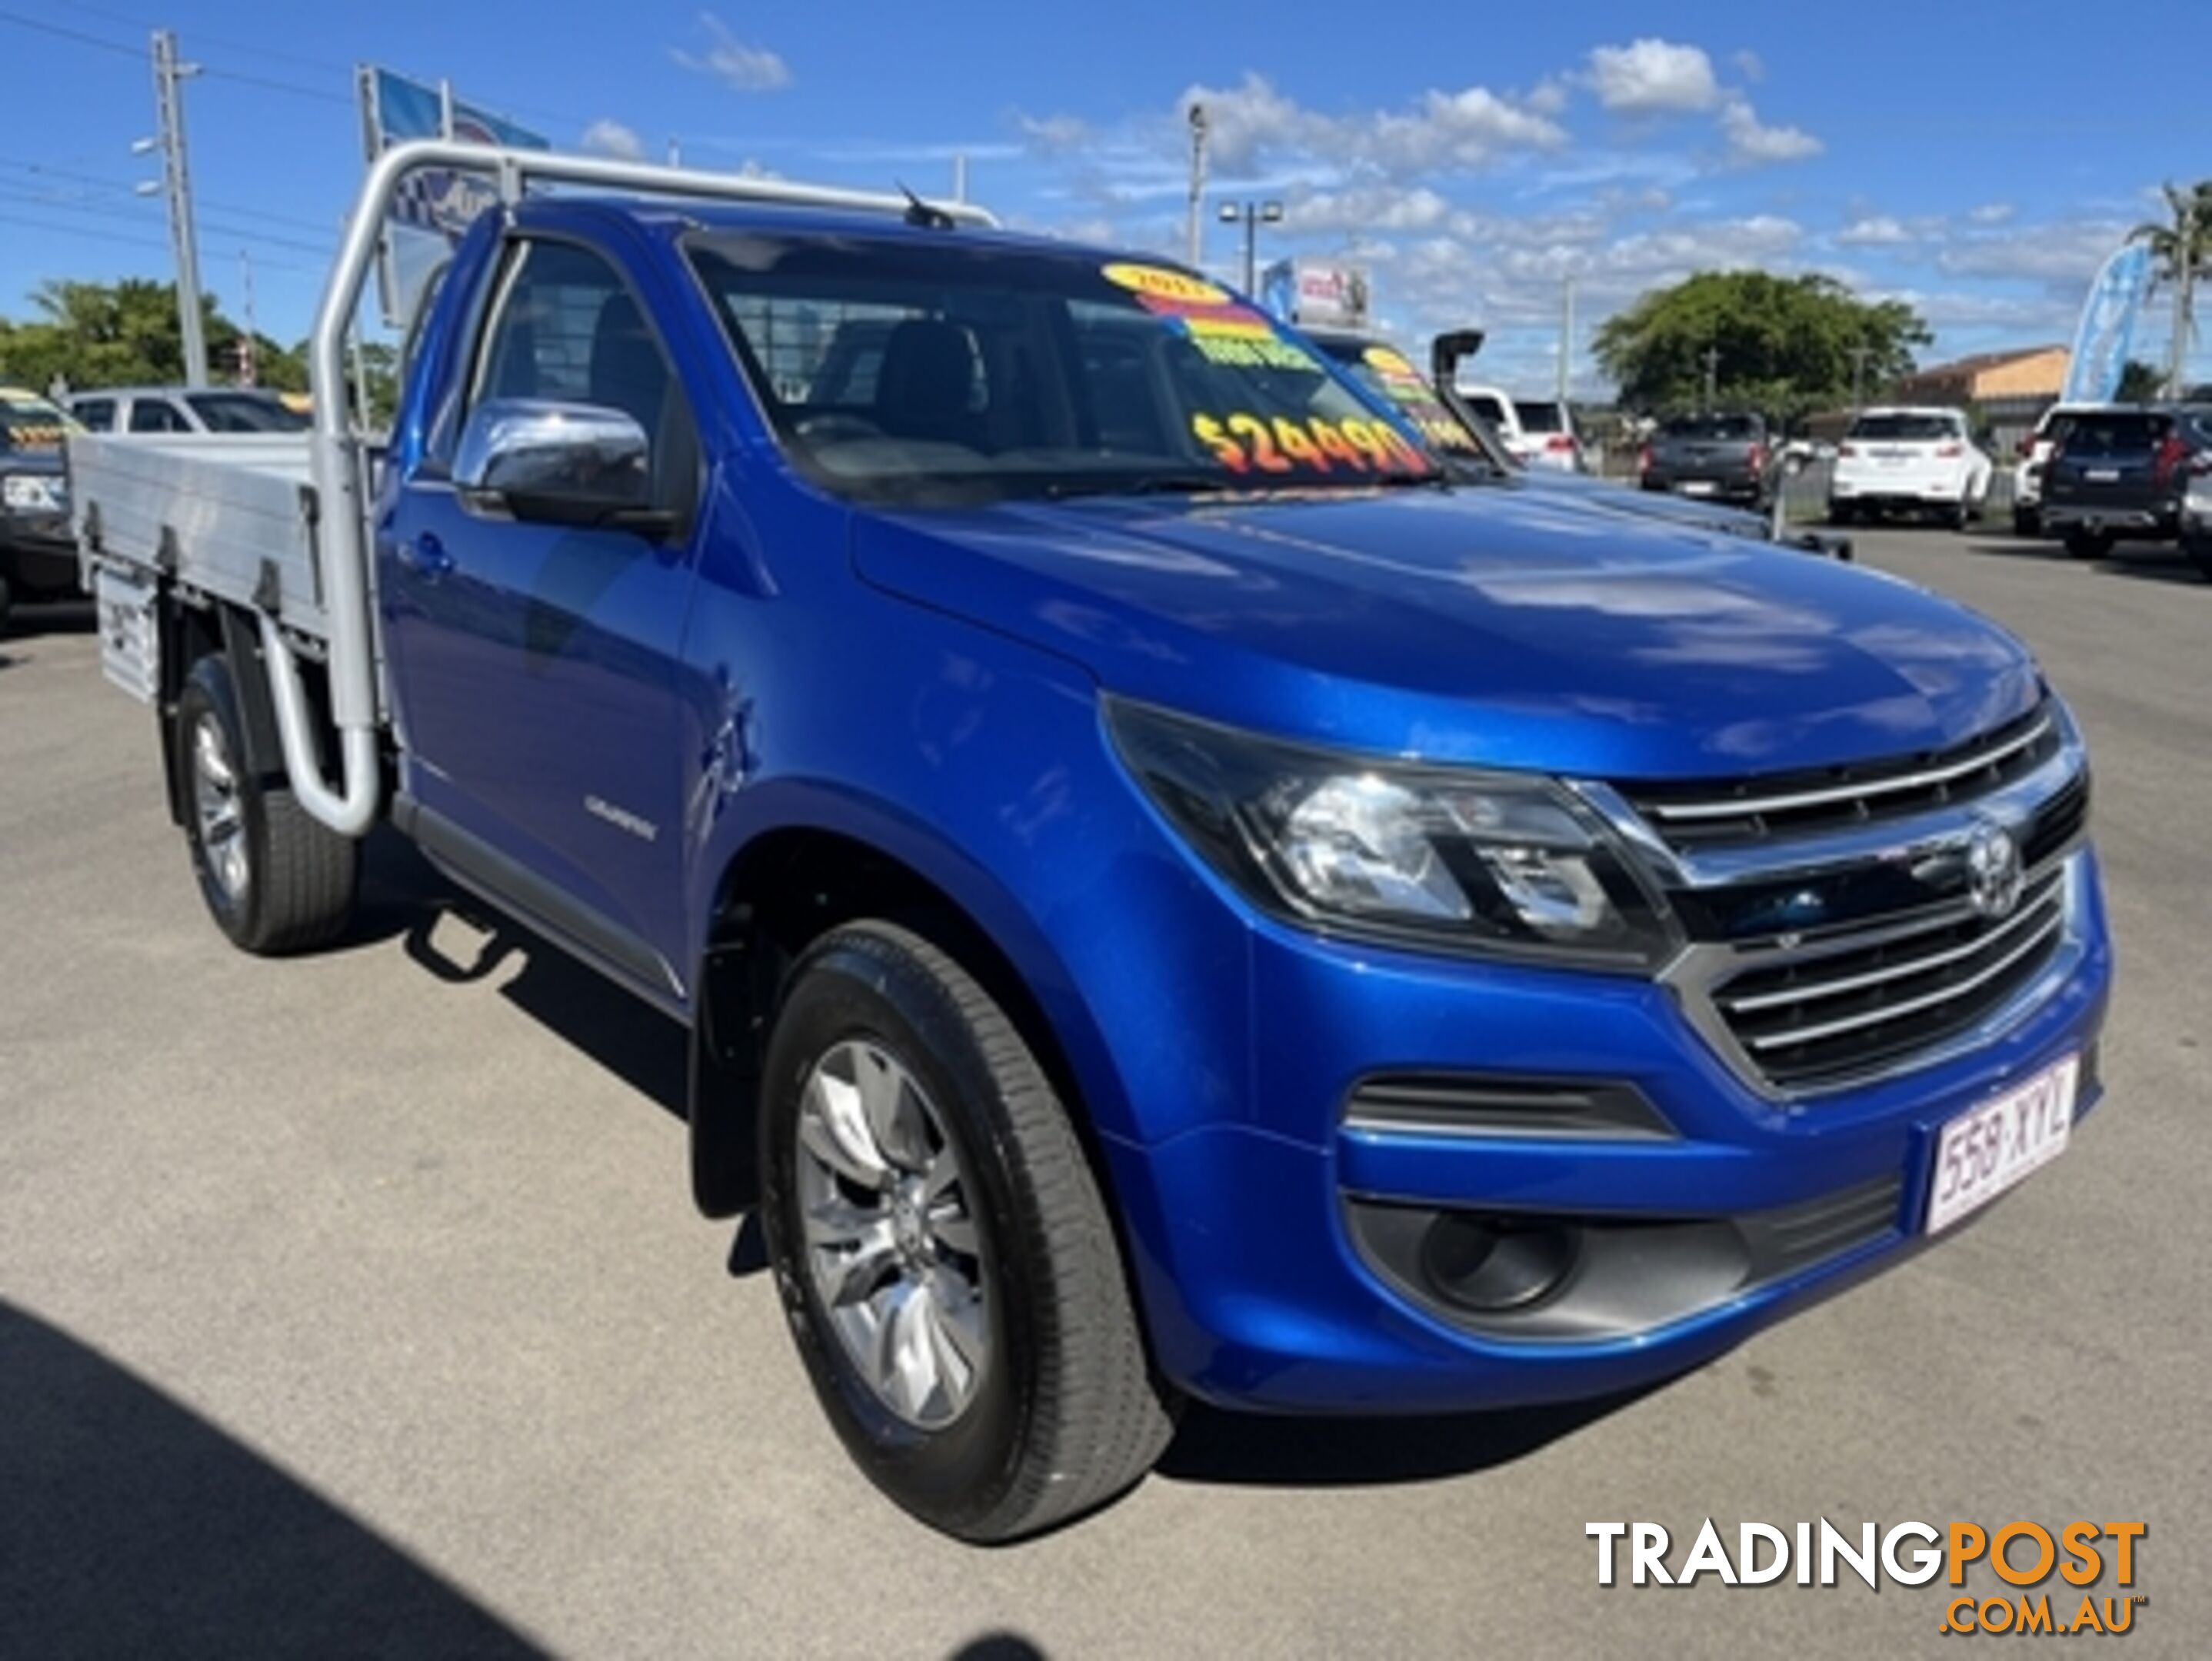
x=2199, y=551
x=941, y=1248
x=274, y=879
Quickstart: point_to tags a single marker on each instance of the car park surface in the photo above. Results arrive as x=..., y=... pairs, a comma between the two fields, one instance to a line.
x=422, y=1357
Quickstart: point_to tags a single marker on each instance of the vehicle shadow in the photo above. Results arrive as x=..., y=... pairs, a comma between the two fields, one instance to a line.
x=133, y=1526
x=2153, y=566
x=1266, y=1451
x=634, y=1041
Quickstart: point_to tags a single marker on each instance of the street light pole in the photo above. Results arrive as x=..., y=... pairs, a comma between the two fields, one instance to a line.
x=1196, y=251
x=1712, y=376
x=1859, y=356
x=1252, y=214
x=177, y=182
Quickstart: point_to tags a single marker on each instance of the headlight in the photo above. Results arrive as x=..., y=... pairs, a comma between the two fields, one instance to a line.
x=31, y=493
x=1508, y=864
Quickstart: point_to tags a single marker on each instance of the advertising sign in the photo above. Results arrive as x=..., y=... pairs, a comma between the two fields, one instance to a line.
x=2107, y=327
x=435, y=207
x=1316, y=293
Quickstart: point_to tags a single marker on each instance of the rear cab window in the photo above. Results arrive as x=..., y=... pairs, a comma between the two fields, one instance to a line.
x=1713, y=428
x=1540, y=415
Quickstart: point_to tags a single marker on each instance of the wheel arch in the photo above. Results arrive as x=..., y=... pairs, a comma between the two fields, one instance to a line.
x=827, y=859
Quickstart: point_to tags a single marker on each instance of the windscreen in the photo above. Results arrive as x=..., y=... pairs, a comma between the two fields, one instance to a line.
x=914, y=370
x=1539, y=415
x=244, y=412
x=1716, y=428
x=1387, y=370
x=1489, y=408
x=31, y=424
x=1905, y=427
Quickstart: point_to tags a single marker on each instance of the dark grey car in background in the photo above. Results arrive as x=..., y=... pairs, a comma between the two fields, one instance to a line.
x=1722, y=455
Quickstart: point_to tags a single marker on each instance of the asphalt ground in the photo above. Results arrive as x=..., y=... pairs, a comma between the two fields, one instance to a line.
x=354, y=1305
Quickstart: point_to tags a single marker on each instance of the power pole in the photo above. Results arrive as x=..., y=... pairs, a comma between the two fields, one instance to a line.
x=1712, y=376
x=1196, y=253
x=1566, y=335
x=1860, y=354
x=249, y=349
x=177, y=182
x=675, y=152
x=960, y=176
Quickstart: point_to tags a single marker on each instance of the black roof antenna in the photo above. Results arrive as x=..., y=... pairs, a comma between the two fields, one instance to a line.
x=922, y=213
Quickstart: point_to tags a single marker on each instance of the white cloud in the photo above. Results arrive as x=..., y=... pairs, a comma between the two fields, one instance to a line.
x=1252, y=122
x=1749, y=64
x=747, y=69
x=1878, y=231
x=1991, y=213
x=2064, y=254
x=606, y=136
x=1547, y=97
x=1055, y=133
x=1652, y=74
x=1751, y=139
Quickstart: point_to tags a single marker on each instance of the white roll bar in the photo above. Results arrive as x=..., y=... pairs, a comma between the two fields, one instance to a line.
x=343, y=547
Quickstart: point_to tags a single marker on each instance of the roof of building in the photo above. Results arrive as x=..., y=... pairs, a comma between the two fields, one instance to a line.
x=1982, y=360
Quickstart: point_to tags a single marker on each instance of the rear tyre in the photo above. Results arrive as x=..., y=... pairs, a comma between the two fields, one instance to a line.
x=2088, y=544
x=941, y=1248
x=274, y=879
x=2026, y=522
x=7, y=603
x=1842, y=513
x=2199, y=550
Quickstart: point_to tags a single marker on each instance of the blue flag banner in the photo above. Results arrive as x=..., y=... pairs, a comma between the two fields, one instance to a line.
x=2107, y=328
x=436, y=206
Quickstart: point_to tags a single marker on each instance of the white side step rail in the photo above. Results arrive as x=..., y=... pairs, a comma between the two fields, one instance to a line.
x=280, y=526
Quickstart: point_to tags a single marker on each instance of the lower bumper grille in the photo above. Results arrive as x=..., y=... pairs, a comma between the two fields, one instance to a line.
x=1826, y=1017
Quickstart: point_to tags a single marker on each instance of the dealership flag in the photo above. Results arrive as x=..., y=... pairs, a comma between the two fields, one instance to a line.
x=2107, y=328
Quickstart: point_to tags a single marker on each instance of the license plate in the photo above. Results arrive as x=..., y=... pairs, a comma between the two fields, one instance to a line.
x=1989, y=1148
x=2102, y=475
x=1698, y=487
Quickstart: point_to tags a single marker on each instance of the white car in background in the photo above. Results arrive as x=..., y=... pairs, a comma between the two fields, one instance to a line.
x=1536, y=432
x=2034, y=452
x=1909, y=460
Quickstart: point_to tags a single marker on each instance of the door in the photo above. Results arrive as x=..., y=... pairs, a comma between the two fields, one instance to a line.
x=534, y=663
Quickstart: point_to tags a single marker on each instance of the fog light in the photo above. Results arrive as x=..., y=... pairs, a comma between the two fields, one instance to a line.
x=1493, y=1265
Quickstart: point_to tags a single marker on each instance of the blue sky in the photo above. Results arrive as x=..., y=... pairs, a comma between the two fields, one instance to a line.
x=1978, y=159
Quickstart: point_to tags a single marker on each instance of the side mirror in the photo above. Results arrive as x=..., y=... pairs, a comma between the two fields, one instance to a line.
x=558, y=463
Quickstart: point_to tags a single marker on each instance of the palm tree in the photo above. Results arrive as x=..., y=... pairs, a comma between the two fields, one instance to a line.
x=2181, y=250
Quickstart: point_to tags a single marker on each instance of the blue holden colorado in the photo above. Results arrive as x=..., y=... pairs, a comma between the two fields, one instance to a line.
x=1173, y=897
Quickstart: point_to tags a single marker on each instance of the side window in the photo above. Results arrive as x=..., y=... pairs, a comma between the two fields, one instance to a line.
x=155, y=415
x=98, y=415
x=566, y=330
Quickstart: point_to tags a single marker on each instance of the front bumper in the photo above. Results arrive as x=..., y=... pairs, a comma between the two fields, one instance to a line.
x=1249, y=1234
x=37, y=553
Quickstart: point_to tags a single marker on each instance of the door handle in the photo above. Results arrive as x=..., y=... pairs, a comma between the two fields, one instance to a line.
x=426, y=556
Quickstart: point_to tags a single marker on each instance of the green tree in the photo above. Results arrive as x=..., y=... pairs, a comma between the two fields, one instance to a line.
x=2139, y=382
x=125, y=333
x=1782, y=345
x=2181, y=252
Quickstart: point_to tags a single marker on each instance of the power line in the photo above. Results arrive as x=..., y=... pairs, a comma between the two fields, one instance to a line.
x=77, y=35
x=130, y=187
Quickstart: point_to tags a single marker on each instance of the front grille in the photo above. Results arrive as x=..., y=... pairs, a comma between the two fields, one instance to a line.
x=1772, y=807
x=1835, y=1014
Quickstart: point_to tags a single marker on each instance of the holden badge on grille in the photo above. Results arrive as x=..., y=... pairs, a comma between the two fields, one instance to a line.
x=1993, y=876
